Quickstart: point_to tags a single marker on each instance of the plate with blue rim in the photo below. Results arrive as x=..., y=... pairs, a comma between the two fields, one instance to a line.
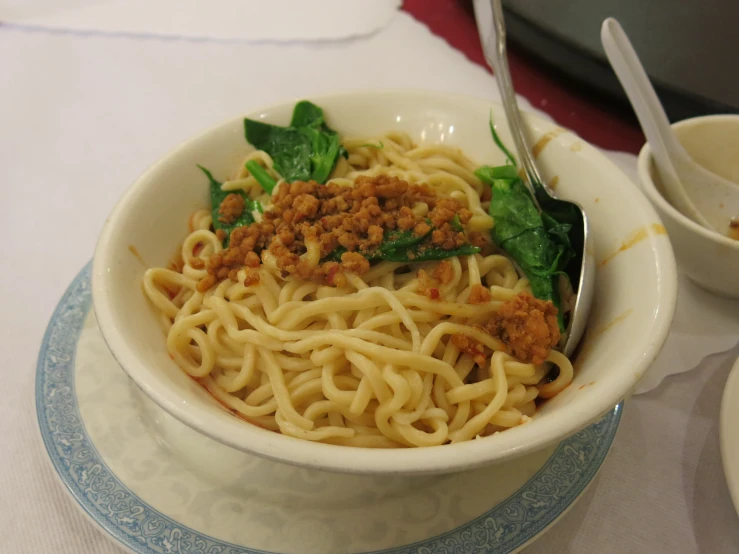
x=157, y=487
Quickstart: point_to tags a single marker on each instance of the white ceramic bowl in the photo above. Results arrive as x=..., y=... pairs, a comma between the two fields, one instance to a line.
x=635, y=284
x=710, y=259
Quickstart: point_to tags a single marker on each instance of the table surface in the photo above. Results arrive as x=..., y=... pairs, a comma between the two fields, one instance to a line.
x=83, y=114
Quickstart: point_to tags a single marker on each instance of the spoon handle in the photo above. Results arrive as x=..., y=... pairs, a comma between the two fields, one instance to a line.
x=494, y=47
x=666, y=149
x=638, y=87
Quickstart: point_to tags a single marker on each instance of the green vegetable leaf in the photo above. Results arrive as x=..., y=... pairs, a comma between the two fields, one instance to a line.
x=406, y=246
x=428, y=253
x=488, y=174
x=396, y=239
x=254, y=206
x=258, y=206
x=307, y=149
x=306, y=114
x=378, y=146
x=217, y=195
x=324, y=152
x=264, y=179
x=564, y=213
x=335, y=256
x=289, y=148
x=511, y=207
x=456, y=224
x=499, y=142
x=537, y=242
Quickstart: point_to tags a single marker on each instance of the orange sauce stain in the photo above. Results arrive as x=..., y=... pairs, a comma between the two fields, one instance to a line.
x=618, y=319
x=585, y=349
x=636, y=238
x=135, y=252
x=544, y=140
x=734, y=229
x=554, y=182
x=588, y=340
x=172, y=292
x=597, y=200
x=576, y=146
x=177, y=262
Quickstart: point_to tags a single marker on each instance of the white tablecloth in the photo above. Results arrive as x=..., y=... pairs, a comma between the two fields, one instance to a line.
x=81, y=115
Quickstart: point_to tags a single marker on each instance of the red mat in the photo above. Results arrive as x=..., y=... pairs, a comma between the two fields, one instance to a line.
x=576, y=107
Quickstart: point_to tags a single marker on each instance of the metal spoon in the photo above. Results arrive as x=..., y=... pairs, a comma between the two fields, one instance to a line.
x=489, y=15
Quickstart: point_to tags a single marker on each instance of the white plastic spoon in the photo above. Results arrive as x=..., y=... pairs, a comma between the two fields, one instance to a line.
x=704, y=197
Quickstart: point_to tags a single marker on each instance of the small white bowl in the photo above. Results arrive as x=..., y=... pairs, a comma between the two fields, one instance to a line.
x=636, y=281
x=710, y=259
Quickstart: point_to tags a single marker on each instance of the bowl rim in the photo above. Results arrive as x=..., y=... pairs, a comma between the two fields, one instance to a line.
x=441, y=459
x=644, y=162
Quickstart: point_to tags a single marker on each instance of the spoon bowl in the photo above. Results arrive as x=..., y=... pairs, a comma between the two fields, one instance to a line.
x=581, y=269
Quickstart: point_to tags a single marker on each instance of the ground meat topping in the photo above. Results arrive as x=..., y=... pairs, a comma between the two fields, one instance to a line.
x=231, y=208
x=444, y=272
x=479, y=295
x=331, y=216
x=525, y=325
x=429, y=285
x=470, y=346
x=251, y=277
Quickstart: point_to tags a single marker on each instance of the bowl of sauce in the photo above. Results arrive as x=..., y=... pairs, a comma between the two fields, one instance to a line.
x=709, y=258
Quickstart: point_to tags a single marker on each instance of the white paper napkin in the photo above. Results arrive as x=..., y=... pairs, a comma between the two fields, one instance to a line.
x=704, y=324
x=251, y=20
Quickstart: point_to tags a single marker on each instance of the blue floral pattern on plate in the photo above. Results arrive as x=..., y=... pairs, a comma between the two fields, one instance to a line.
x=504, y=528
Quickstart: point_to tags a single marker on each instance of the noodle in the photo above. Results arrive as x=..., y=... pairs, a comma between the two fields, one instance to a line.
x=372, y=362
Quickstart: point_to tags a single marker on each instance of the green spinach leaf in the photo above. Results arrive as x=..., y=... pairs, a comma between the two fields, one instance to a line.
x=378, y=146
x=406, y=246
x=456, y=224
x=217, y=196
x=307, y=114
x=537, y=242
x=305, y=150
x=499, y=143
x=264, y=179
x=396, y=239
x=421, y=253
